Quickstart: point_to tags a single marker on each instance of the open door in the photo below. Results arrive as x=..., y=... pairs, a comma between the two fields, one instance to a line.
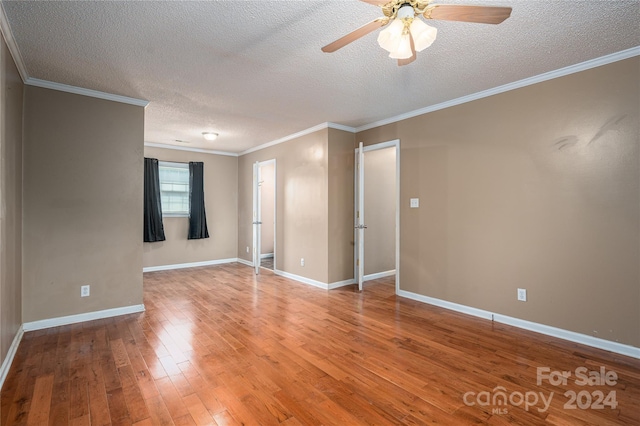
x=256, y=217
x=267, y=187
x=377, y=167
x=360, y=226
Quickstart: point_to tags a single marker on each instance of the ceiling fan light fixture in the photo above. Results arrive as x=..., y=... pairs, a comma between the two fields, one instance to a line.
x=406, y=33
x=423, y=35
x=392, y=38
x=404, y=49
x=389, y=38
x=210, y=136
x=406, y=11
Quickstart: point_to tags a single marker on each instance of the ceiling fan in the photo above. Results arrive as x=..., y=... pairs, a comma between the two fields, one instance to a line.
x=407, y=33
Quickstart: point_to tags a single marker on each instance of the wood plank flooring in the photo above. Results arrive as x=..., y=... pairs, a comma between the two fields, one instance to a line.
x=219, y=346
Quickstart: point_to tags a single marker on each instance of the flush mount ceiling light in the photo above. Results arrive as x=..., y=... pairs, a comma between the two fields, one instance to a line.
x=407, y=33
x=210, y=136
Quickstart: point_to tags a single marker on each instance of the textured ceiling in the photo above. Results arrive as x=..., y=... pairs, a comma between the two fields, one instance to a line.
x=253, y=71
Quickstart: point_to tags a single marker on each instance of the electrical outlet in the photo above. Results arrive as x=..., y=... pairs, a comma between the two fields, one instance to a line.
x=522, y=294
x=302, y=261
x=85, y=291
x=414, y=203
x=247, y=249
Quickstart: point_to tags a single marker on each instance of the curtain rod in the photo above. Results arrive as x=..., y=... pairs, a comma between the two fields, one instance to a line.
x=178, y=162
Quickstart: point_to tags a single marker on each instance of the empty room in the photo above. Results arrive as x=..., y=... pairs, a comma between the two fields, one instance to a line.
x=342, y=212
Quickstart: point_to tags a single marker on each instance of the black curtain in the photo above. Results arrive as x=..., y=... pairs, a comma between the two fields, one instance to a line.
x=153, y=228
x=197, y=215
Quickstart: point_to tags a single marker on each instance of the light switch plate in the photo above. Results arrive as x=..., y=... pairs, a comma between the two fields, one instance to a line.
x=415, y=203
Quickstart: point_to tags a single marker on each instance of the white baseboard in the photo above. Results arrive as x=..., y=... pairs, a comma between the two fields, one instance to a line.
x=11, y=353
x=88, y=316
x=244, y=262
x=188, y=265
x=571, y=336
x=377, y=275
x=302, y=279
x=305, y=280
x=266, y=255
x=344, y=283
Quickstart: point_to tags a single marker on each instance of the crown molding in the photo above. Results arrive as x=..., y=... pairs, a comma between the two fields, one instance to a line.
x=7, y=33
x=85, y=92
x=342, y=127
x=5, y=28
x=572, y=69
x=301, y=133
x=259, y=147
x=187, y=148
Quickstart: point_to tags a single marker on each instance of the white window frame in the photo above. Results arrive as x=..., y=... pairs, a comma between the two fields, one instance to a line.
x=171, y=164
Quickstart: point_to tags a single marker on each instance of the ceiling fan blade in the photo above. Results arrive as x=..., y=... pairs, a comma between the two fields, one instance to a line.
x=354, y=35
x=407, y=61
x=479, y=14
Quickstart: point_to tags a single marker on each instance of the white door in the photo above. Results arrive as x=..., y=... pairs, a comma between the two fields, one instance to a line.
x=360, y=226
x=256, y=217
x=359, y=220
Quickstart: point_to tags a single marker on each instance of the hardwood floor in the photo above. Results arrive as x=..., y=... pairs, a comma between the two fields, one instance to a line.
x=218, y=345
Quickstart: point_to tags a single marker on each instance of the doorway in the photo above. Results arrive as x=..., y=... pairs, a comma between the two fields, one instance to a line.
x=377, y=212
x=267, y=214
x=264, y=215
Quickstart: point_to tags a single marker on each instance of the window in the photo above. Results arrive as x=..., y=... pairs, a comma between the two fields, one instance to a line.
x=174, y=188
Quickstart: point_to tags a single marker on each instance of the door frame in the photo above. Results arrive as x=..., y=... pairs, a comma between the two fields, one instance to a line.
x=257, y=213
x=275, y=190
x=256, y=223
x=395, y=143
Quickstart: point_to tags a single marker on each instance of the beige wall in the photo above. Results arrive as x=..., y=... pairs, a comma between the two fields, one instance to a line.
x=301, y=218
x=314, y=219
x=341, y=204
x=221, y=201
x=11, y=88
x=537, y=188
x=267, y=193
x=314, y=204
x=380, y=210
x=83, y=171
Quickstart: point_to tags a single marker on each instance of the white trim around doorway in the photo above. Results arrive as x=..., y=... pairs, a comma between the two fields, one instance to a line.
x=383, y=145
